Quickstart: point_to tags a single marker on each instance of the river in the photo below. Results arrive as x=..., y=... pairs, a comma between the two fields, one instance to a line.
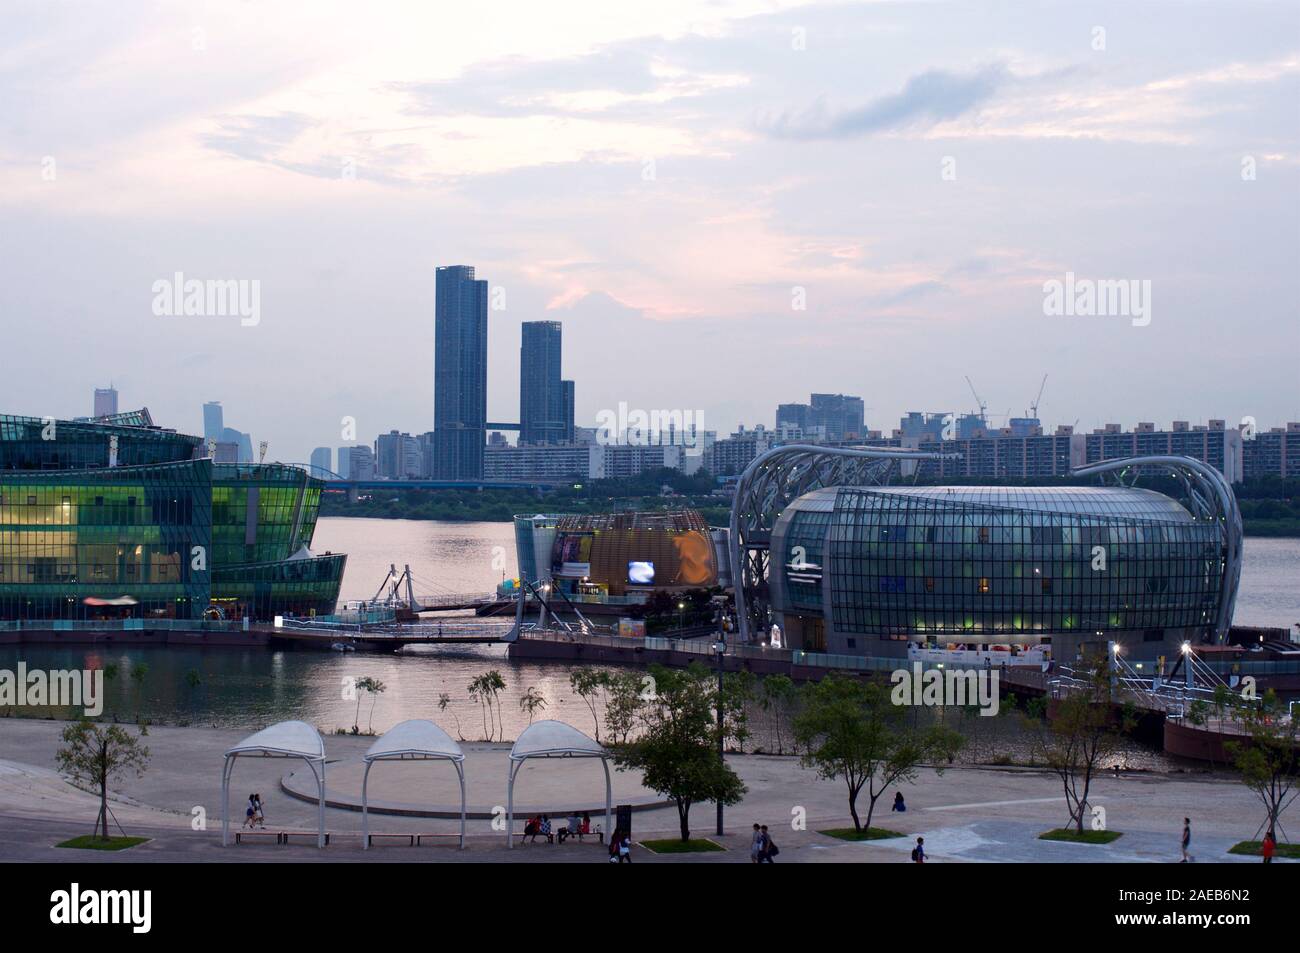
x=251, y=688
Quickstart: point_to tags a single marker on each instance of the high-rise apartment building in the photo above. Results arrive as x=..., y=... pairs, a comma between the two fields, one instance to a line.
x=460, y=373
x=541, y=392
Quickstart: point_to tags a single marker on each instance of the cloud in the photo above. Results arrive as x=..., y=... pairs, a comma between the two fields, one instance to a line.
x=927, y=98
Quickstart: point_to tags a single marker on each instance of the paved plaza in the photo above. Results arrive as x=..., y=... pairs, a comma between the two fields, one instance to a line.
x=966, y=814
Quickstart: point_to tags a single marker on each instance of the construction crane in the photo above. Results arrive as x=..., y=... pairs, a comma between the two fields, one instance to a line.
x=1033, y=406
x=983, y=406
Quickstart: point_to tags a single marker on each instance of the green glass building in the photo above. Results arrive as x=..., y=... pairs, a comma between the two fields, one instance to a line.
x=116, y=518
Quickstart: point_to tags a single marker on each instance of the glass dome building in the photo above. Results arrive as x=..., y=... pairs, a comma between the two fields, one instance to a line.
x=868, y=570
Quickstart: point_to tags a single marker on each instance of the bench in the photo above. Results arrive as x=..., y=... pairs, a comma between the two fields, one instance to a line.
x=414, y=839
x=596, y=833
x=255, y=832
x=285, y=835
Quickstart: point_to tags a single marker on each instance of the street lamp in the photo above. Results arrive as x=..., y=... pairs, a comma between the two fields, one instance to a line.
x=681, y=608
x=719, y=650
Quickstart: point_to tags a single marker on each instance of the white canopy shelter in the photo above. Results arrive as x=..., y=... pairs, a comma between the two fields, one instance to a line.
x=287, y=739
x=554, y=739
x=414, y=740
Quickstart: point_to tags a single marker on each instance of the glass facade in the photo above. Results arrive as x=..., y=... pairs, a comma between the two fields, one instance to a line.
x=170, y=536
x=100, y=535
x=987, y=564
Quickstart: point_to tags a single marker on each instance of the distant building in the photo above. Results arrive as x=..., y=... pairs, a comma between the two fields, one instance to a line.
x=360, y=463
x=539, y=461
x=398, y=456
x=1275, y=453
x=320, y=464
x=729, y=457
x=837, y=417
x=105, y=401
x=569, y=402
x=213, y=421
x=541, y=391
x=460, y=373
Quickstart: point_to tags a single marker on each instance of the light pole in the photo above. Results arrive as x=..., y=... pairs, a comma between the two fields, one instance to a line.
x=720, y=649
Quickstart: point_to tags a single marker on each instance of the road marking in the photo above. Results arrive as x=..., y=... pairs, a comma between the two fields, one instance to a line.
x=1028, y=800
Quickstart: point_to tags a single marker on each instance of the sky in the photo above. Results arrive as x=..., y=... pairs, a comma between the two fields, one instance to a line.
x=728, y=204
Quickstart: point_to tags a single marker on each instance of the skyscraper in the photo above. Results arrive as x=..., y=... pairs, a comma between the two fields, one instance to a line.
x=213, y=420
x=566, y=388
x=320, y=463
x=105, y=401
x=460, y=373
x=541, y=392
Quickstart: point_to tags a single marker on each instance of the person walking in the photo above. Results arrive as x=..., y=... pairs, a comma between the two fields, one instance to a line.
x=918, y=852
x=769, y=850
x=625, y=849
x=1269, y=846
x=1187, y=841
x=756, y=846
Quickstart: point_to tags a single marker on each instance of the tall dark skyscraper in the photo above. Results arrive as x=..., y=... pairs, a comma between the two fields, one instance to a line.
x=541, y=392
x=460, y=374
x=566, y=387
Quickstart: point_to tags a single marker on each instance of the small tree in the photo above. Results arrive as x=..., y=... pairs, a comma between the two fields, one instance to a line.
x=444, y=700
x=486, y=690
x=850, y=729
x=627, y=693
x=374, y=688
x=589, y=685
x=532, y=702
x=1268, y=761
x=777, y=697
x=93, y=754
x=676, y=744
x=1084, y=731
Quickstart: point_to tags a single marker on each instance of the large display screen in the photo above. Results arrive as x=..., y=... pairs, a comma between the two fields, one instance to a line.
x=641, y=573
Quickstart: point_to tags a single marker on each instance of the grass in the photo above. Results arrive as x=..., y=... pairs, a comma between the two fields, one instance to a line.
x=867, y=833
x=1254, y=848
x=1070, y=835
x=91, y=842
x=676, y=845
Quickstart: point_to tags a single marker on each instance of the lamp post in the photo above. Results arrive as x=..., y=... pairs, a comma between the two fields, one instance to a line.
x=719, y=650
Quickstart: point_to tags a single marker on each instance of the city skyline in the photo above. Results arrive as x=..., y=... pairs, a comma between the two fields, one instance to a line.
x=704, y=195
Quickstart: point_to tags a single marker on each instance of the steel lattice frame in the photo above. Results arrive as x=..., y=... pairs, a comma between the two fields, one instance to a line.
x=1210, y=499
x=769, y=484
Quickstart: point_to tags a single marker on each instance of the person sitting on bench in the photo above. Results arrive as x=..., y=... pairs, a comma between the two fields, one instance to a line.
x=572, y=828
x=532, y=828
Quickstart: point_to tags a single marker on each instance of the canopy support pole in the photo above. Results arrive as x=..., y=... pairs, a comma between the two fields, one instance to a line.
x=226, y=770
x=365, y=812
x=609, y=800
x=510, y=805
x=461, y=771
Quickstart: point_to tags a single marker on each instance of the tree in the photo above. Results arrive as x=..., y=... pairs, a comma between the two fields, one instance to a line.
x=626, y=693
x=486, y=689
x=676, y=743
x=372, y=687
x=850, y=729
x=532, y=702
x=738, y=690
x=443, y=701
x=777, y=696
x=589, y=685
x=1268, y=761
x=1083, y=732
x=93, y=754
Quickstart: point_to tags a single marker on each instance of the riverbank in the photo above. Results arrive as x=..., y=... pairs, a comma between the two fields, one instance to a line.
x=965, y=814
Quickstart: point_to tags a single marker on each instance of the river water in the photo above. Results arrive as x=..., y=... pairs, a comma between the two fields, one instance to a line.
x=250, y=688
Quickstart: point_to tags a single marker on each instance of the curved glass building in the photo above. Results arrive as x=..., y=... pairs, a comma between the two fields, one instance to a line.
x=867, y=570
x=117, y=518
